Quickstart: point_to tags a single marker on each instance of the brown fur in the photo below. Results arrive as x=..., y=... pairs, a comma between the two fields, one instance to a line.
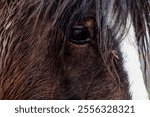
x=39, y=62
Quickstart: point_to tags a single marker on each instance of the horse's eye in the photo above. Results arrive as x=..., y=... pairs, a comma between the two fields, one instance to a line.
x=80, y=35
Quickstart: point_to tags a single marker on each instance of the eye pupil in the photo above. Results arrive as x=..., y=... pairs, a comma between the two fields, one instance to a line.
x=80, y=35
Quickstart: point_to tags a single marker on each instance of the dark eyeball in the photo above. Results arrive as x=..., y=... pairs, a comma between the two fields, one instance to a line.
x=80, y=35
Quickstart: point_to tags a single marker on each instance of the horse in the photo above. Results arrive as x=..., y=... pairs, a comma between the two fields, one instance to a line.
x=74, y=49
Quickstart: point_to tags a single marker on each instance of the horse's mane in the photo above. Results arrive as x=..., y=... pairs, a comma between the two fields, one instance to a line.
x=51, y=15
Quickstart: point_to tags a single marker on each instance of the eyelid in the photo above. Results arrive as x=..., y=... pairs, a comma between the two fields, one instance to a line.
x=87, y=21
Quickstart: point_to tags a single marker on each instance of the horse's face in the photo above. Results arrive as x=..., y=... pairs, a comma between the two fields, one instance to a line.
x=63, y=50
x=87, y=71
